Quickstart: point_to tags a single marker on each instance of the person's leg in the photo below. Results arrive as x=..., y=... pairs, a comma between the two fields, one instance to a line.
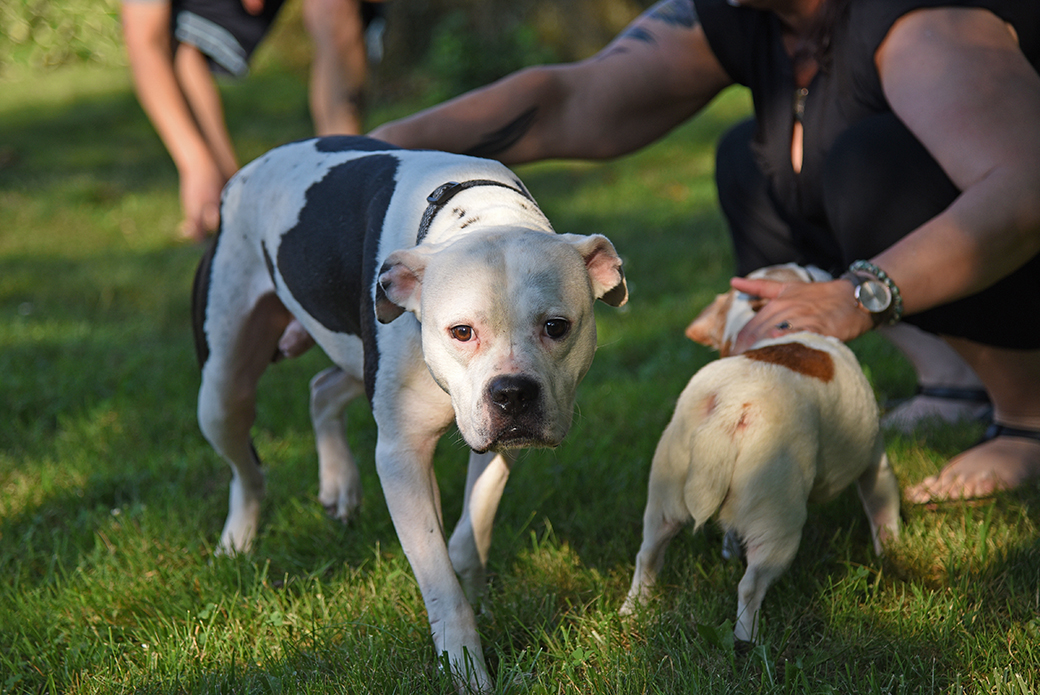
x=948, y=390
x=759, y=234
x=880, y=184
x=1007, y=458
x=203, y=97
x=340, y=66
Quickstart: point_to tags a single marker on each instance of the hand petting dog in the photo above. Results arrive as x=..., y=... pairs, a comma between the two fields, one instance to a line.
x=825, y=308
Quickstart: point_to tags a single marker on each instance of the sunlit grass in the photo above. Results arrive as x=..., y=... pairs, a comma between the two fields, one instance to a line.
x=111, y=503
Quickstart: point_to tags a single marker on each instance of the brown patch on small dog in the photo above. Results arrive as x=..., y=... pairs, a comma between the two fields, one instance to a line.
x=798, y=358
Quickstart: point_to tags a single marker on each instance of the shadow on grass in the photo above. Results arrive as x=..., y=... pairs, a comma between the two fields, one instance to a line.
x=87, y=125
x=112, y=496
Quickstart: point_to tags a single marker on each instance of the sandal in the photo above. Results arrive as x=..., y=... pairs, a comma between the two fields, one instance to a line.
x=968, y=395
x=997, y=430
x=949, y=393
x=976, y=405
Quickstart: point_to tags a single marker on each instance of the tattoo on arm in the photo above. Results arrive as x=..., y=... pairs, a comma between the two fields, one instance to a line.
x=676, y=13
x=494, y=144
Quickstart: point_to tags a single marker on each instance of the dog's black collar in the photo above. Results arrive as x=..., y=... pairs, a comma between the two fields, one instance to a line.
x=443, y=193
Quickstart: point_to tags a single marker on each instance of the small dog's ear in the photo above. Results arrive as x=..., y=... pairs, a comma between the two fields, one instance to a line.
x=399, y=287
x=708, y=327
x=604, y=266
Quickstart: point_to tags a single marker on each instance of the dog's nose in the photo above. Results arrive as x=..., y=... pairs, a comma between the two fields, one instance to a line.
x=513, y=394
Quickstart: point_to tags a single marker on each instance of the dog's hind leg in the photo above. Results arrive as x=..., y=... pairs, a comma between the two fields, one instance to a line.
x=468, y=548
x=664, y=516
x=768, y=556
x=340, y=481
x=658, y=532
x=241, y=345
x=879, y=491
x=666, y=510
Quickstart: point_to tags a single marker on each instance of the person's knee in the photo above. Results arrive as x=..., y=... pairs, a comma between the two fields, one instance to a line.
x=733, y=162
x=879, y=184
x=333, y=23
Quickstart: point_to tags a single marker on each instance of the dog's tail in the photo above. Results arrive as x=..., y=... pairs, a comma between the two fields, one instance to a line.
x=697, y=453
x=707, y=489
x=199, y=299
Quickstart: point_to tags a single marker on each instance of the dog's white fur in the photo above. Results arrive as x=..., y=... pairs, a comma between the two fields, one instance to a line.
x=756, y=436
x=489, y=262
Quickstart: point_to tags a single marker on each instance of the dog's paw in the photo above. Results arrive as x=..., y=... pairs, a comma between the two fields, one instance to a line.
x=341, y=504
x=743, y=648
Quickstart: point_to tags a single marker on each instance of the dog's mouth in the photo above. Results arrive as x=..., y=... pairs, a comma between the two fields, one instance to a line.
x=517, y=438
x=516, y=416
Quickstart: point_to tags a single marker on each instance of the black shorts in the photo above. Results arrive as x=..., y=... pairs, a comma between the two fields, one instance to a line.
x=880, y=184
x=222, y=30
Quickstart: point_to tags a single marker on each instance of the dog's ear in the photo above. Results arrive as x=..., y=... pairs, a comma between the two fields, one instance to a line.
x=604, y=266
x=399, y=287
x=708, y=327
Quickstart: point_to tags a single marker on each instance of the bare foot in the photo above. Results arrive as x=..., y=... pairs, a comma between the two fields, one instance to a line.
x=1002, y=463
x=948, y=405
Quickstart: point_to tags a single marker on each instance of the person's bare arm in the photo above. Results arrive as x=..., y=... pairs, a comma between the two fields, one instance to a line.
x=958, y=80
x=657, y=73
x=146, y=27
x=974, y=102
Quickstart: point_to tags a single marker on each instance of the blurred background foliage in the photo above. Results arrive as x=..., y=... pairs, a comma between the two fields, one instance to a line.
x=39, y=34
x=435, y=47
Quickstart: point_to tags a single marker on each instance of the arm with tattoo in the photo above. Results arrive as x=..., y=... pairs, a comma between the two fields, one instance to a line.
x=657, y=73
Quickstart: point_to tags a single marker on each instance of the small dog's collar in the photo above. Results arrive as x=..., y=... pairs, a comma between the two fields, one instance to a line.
x=445, y=192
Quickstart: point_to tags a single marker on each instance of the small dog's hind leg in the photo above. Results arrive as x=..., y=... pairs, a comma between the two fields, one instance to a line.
x=767, y=559
x=340, y=480
x=657, y=534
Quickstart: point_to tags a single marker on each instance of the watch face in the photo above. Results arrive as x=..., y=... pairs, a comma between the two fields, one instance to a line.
x=874, y=296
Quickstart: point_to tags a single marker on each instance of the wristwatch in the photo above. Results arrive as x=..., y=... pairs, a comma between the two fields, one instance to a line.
x=875, y=293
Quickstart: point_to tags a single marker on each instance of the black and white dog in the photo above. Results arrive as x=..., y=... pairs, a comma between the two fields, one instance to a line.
x=346, y=234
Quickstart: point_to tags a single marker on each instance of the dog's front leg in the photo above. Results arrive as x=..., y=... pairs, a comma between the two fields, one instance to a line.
x=471, y=539
x=340, y=480
x=406, y=473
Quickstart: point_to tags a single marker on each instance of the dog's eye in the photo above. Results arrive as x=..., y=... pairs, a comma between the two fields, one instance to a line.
x=557, y=328
x=462, y=334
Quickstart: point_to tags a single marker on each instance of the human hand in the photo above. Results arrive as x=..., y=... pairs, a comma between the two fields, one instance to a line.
x=200, y=200
x=827, y=308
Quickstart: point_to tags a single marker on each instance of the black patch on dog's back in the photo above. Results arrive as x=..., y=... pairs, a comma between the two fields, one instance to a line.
x=327, y=260
x=357, y=143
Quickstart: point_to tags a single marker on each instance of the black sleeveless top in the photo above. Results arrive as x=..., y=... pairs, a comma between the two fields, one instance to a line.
x=748, y=44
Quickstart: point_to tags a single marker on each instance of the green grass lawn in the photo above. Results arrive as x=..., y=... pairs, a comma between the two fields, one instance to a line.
x=111, y=502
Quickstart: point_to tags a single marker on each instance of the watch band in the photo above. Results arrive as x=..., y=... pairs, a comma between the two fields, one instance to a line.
x=895, y=310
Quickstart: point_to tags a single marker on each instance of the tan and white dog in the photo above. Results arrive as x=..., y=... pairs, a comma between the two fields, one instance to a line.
x=755, y=437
